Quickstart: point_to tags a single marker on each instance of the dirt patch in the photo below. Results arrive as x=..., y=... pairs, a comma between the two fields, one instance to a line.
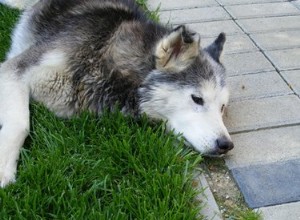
x=226, y=192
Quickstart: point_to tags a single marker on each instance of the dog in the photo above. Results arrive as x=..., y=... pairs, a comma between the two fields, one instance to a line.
x=80, y=55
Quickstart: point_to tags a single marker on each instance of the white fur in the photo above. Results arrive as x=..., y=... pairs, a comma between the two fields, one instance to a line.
x=20, y=4
x=14, y=118
x=22, y=37
x=201, y=125
x=53, y=88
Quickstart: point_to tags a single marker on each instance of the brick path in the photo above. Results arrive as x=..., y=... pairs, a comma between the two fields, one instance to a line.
x=262, y=56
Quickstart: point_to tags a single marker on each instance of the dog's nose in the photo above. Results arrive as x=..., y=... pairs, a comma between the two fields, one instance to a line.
x=224, y=144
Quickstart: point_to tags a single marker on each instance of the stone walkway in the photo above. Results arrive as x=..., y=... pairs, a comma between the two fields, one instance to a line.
x=262, y=56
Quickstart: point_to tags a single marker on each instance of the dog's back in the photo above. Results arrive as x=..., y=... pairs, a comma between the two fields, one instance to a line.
x=106, y=45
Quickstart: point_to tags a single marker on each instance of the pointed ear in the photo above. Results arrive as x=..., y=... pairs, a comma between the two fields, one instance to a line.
x=177, y=50
x=216, y=48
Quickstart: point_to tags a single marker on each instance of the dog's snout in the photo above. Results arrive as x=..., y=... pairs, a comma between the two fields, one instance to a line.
x=224, y=144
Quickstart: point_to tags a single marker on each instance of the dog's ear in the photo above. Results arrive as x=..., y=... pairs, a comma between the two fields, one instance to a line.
x=177, y=50
x=216, y=48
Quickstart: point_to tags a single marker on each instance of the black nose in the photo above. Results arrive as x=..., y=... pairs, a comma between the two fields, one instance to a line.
x=224, y=144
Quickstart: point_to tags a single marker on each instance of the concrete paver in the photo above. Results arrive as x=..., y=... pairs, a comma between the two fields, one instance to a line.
x=213, y=28
x=262, y=10
x=253, y=62
x=293, y=78
x=290, y=211
x=296, y=3
x=210, y=208
x=257, y=86
x=262, y=113
x=234, y=44
x=244, y=2
x=285, y=59
x=254, y=25
x=264, y=146
x=193, y=15
x=173, y=5
x=278, y=40
x=269, y=184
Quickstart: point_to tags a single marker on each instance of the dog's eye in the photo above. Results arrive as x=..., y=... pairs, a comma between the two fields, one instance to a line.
x=222, y=108
x=198, y=100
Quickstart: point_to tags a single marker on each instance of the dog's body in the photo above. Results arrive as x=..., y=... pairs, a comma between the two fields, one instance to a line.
x=94, y=54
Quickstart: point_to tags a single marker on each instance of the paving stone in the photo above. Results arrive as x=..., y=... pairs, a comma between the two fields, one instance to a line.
x=264, y=146
x=270, y=184
x=171, y=4
x=210, y=207
x=262, y=113
x=193, y=15
x=257, y=86
x=262, y=10
x=285, y=59
x=243, y=2
x=253, y=62
x=289, y=211
x=296, y=3
x=214, y=28
x=234, y=44
x=270, y=24
x=293, y=78
x=278, y=40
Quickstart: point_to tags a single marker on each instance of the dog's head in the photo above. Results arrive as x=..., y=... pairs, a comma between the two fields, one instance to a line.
x=188, y=90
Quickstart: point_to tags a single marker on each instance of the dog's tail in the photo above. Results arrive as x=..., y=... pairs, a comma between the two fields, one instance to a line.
x=19, y=4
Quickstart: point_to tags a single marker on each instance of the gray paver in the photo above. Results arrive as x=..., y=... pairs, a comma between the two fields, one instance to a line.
x=213, y=28
x=261, y=113
x=210, y=208
x=290, y=211
x=193, y=15
x=242, y=2
x=278, y=40
x=296, y=3
x=293, y=78
x=262, y=10
x=234, y=44
x=285, y=59
x=264, y=146
x=257, y=86
x=253, y=62
x=270, y=24
x=270, y=184
x=171, y=4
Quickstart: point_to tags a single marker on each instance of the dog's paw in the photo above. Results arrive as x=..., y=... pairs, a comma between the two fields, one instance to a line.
x=7, y=171
x=6, y=178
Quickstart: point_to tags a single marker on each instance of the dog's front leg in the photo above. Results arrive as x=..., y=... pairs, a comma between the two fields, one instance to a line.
x=14, y=120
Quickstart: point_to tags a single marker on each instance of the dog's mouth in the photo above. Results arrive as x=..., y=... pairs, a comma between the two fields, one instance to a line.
x=217, y=152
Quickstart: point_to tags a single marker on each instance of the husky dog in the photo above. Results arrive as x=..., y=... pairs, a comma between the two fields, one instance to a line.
x=90, y=55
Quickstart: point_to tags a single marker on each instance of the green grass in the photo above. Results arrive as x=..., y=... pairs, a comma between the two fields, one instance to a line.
x=112, y=167
x=8, y=17
x=100, y=168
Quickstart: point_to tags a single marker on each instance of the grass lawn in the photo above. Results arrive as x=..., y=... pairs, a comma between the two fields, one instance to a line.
x=111, y=167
